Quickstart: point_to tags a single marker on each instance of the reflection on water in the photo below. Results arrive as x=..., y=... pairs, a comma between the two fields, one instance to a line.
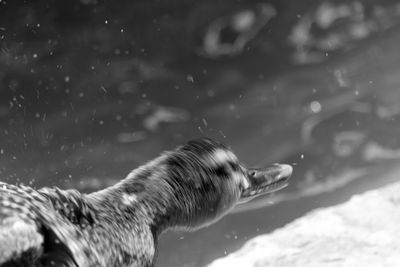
x=91, y=89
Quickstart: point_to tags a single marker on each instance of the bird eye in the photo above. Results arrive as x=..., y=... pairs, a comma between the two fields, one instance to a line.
x=252, y=173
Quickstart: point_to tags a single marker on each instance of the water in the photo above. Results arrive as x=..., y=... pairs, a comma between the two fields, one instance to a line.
x=91, y=90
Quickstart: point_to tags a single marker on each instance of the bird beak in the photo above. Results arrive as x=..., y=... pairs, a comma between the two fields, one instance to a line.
x=266, y=180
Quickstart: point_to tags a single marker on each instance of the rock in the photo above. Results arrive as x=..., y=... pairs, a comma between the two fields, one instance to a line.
x=361, y=232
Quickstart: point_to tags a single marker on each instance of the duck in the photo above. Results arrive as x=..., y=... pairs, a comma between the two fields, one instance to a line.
x=187, y=188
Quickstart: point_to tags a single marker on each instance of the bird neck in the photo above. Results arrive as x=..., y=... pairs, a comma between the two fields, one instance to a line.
x=145, y=197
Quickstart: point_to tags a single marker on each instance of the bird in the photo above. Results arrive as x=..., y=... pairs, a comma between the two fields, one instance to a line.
x=187, y=188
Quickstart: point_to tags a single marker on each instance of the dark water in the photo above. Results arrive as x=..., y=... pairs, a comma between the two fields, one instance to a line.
x=91, y=89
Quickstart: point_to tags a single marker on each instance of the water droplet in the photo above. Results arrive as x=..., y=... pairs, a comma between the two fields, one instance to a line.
x=315, y=107
x=190, y=78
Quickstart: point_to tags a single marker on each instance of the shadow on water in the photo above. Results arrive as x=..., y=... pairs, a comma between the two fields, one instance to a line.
x=91, y=89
